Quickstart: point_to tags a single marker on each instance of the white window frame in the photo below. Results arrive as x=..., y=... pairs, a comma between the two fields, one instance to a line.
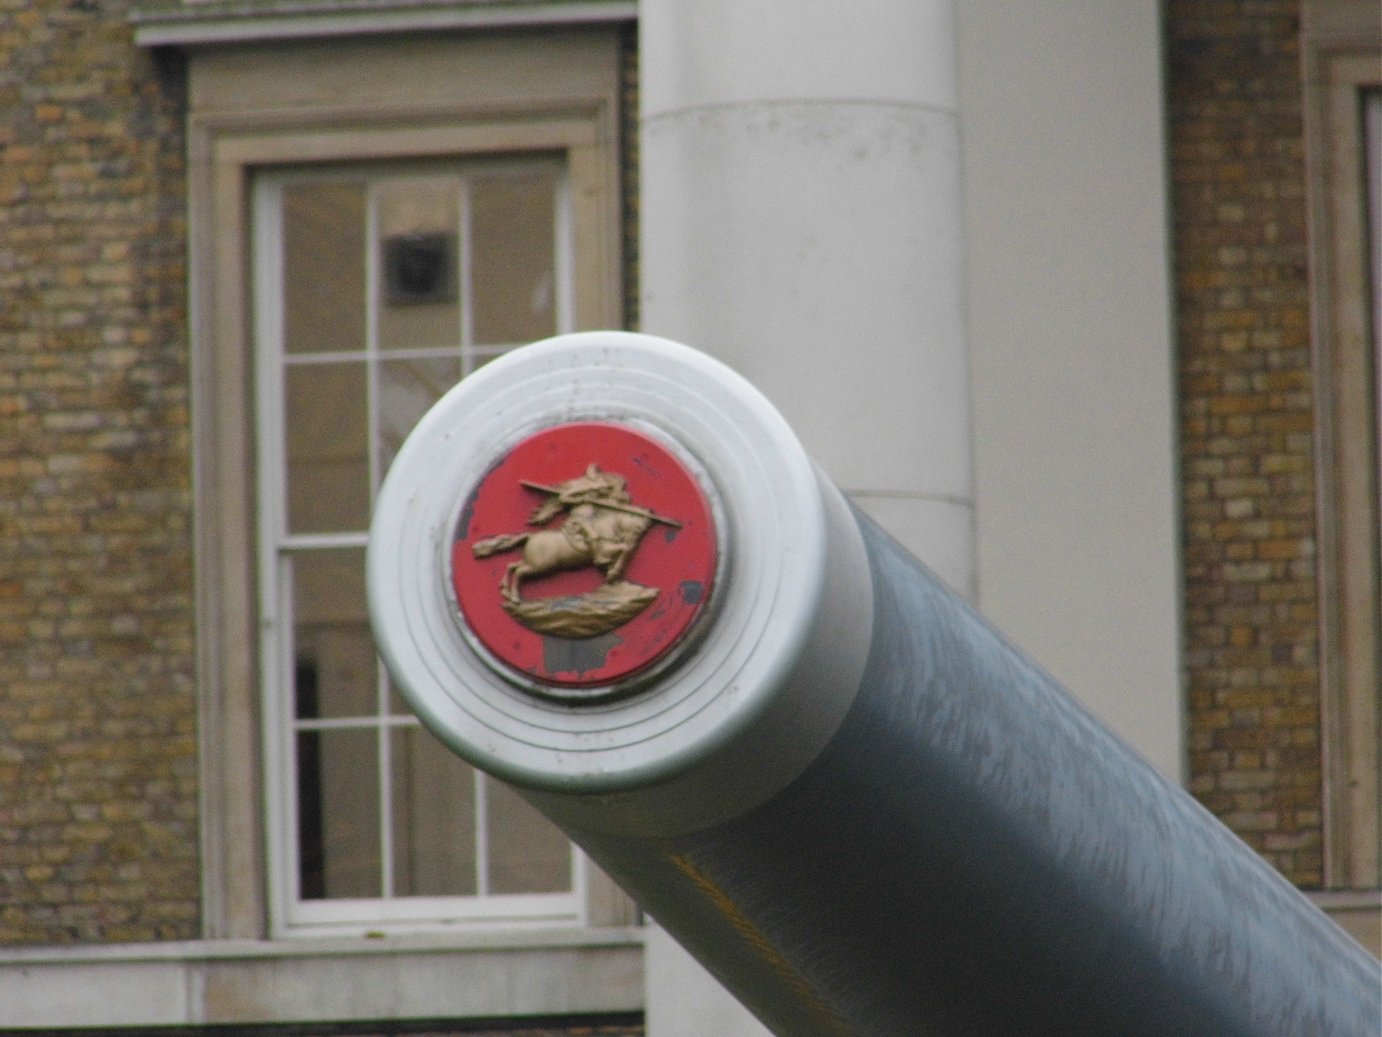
x=252, y=110
x=277, y=544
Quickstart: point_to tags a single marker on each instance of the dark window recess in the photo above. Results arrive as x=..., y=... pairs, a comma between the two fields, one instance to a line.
x=420, y=268
x=311, y=834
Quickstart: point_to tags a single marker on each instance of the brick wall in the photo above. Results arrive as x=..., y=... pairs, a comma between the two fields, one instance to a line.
x=98, y=827
x=1247, y=424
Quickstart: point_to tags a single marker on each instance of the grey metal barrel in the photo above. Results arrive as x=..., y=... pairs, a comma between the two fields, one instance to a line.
x=818, y=768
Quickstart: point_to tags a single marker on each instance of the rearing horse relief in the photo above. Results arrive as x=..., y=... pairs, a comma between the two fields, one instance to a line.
x=602, y=529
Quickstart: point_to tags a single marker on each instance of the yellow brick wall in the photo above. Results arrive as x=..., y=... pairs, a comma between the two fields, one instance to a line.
x=98, y=798
x=1247, y=422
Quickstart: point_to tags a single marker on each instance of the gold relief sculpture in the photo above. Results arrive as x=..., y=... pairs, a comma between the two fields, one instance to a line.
x=602, y=529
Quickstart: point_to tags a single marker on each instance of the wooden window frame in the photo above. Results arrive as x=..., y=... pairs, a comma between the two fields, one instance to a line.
x=1343, y=61
x=345, y=101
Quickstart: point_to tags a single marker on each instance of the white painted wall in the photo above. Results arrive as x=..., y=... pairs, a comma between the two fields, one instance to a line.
x=1071, y=353
x=683, y=1000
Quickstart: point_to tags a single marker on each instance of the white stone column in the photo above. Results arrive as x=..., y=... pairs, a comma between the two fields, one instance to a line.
x=1072, y=353
x=683, y=1000
x=801, y=222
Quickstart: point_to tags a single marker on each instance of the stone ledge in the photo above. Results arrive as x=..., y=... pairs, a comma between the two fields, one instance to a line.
x=1356, y=912
x=424, y=976
x=239, y=21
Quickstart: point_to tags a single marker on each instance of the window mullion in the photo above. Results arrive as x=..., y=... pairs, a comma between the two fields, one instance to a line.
x=482, y=885
x=372, y=333
x=386, y=861
x=562, y=261
x=276, y=597
x=466, y=286
x=291, y=542
x=382, y=731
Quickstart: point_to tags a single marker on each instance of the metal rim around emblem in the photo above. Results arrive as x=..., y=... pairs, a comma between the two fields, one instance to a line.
x=577, y=631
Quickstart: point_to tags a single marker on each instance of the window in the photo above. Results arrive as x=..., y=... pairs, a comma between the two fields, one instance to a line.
x=376, y=288
x=371, y=219
x=1344, y=113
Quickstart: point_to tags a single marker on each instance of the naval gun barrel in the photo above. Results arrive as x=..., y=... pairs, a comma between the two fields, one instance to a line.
x=824, y=774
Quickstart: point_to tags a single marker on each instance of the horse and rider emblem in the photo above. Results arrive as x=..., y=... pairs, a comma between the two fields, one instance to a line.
x=583, y=557
x=602, y=527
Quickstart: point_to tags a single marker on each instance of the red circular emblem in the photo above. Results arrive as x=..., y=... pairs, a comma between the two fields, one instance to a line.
x=584, y=556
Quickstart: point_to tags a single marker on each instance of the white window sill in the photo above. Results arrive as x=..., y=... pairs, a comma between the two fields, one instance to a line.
x=471, y=974
x=1357, y=912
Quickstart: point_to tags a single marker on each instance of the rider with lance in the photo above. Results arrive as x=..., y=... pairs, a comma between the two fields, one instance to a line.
x=602, y=529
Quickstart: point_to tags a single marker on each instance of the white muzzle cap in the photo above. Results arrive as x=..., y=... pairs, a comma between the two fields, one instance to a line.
x=737, y=701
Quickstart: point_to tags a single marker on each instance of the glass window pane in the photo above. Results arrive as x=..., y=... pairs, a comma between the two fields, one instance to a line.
x=338, y=814
x=433, y=817
x=397, y=704
x=478, y=358
x=407, y=390
x=527, y=853
x=325, y=415
x=420, y=275
x=513, y=273
x=334, y=658
x=323, y=267
x=420, y=301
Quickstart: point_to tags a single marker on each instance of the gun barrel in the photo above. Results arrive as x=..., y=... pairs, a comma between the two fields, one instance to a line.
x=829, y=778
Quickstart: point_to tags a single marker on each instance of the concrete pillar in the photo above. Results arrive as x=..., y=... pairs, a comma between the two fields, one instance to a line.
x=1071, y=349
x=684, y=1000
x=801, y=221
